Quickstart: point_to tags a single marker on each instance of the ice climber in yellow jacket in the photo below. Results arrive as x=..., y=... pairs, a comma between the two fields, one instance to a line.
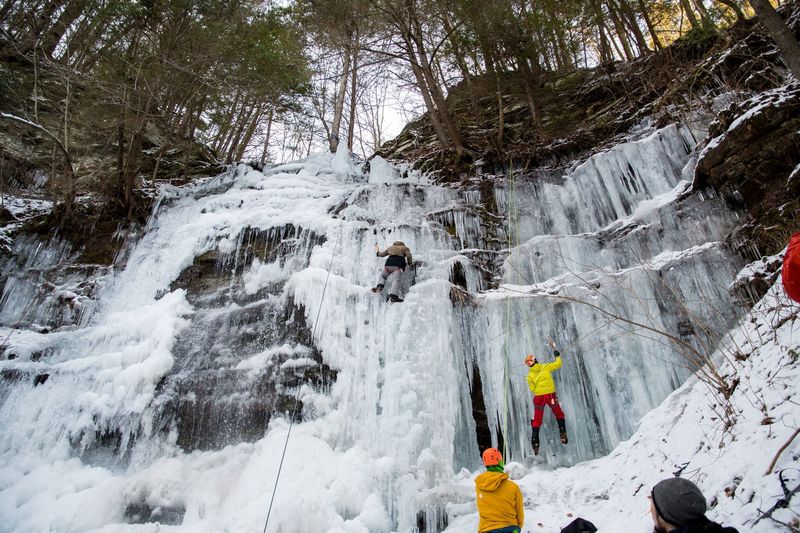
x=498, y=498
x=540, y=381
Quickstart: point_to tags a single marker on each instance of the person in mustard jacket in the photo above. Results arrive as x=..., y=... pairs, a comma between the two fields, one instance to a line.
x=499, y=499
x=540, y=381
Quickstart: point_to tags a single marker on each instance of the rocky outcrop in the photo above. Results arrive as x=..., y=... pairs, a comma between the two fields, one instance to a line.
x=584, y=111
x=751, y=158
x=224, y=388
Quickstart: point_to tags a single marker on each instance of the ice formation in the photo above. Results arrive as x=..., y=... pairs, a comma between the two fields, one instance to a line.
x=243, y=320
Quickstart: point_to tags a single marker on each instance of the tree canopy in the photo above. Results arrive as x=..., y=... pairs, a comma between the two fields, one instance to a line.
x=126, y=89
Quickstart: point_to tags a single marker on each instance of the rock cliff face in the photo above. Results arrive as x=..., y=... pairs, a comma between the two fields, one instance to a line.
x=753, y=159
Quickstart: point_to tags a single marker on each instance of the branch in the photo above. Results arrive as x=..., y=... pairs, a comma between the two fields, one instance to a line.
x=444, y=39
x=392, y=55
x=780, y=451
x=683, y=344
x=46, y=131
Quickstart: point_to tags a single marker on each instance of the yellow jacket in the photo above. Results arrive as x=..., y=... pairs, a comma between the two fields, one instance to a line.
x=540, y=379
x=499, y=501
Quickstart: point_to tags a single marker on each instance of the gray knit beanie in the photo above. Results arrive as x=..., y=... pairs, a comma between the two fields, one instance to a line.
x=678, y=501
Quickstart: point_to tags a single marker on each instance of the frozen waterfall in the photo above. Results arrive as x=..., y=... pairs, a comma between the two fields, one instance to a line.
x=245, y=307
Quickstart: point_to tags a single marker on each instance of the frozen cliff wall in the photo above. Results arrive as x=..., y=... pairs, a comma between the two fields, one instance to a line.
x=246, y=305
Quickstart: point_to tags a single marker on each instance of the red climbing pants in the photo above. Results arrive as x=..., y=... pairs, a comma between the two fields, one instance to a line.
x=538, y=408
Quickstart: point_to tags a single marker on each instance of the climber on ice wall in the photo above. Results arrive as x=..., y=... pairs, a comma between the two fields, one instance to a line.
x=399, y=258
x=540, y=381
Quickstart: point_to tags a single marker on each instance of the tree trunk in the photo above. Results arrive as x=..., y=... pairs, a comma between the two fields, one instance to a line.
x=561, y=64
x=528, y=73
x=353, y=96
x=780, y=33
x=605, y=47
x=619, y=52
x=266, y=136
x=131, y=164
x=248, y=134
x=488, y=55
x=238, y=132
x=734, y=7
x=705, y=17
x=53, y=36
x=230, y=125
x=621, y=33
x=454, y=42
x=440, y=106
x=650, y=27
x=222, y=132
x=561, y=44
x=195, y=120
x=544, y=56
x=500, y=115
x=687, y=8
x=120, y=155
x=630, y=20
x=606, y=55
x=338, y=104
x=426, y=97
x=130, y=170
x=182, y=128
x=311, y=134
x=436, y=92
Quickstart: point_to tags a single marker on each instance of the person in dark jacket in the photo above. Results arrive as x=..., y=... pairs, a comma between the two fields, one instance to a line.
x=399, y=258
x=678, y=506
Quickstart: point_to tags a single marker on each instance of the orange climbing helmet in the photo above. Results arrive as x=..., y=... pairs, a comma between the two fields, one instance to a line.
x=530, y=359
x=492, y=457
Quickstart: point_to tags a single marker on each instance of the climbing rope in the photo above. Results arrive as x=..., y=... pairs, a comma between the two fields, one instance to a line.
x=297, y=394
x=512, y=233
x=512, y=242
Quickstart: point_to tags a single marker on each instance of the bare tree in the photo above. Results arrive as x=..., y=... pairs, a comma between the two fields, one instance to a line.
x=781, y=34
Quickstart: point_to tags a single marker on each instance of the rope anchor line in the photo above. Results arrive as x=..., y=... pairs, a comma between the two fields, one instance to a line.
x=297, y=394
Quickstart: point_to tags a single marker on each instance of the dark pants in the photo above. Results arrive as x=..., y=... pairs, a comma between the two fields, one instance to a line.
x=507, y=529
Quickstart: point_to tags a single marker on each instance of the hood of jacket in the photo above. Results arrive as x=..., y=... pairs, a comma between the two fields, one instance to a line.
x=490, y=481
